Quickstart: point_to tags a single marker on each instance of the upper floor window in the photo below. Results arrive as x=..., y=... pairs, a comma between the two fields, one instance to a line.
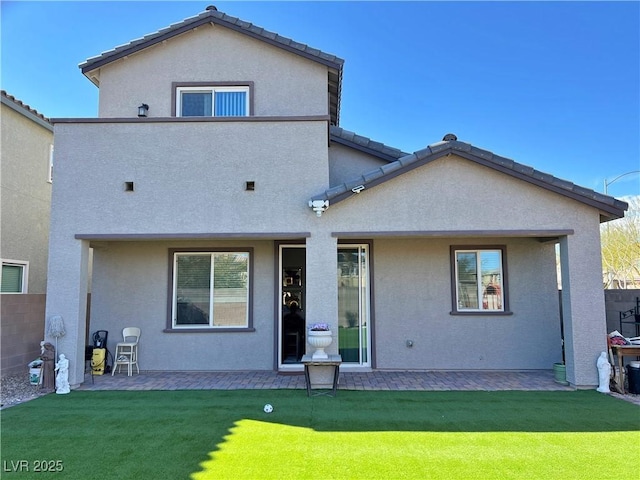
x=479, y=280
x=212, y=101
x=14, y=275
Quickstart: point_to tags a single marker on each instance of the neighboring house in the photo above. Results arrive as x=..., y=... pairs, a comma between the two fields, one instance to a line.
x=238, y=193
x=25, y=195
x=26, y=163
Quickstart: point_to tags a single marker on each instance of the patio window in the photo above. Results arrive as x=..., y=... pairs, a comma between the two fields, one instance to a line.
x=211, y=289
x=478, y=280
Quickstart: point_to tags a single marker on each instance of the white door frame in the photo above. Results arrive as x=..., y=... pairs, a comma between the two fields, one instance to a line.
x=284, y=367
x=364, y=300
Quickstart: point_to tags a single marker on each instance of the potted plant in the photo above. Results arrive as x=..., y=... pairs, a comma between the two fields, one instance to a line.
x=560, y=369
x=320, y=338
x=560, y=373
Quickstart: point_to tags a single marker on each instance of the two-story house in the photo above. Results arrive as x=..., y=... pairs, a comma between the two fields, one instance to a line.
x=26, y=169
x=217, y=190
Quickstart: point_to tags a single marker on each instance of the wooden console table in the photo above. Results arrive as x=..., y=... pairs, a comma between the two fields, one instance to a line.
x=621, y=351
x=333, y=361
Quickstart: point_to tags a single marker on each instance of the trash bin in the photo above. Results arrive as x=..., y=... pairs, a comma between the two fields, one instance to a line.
x=35, y=372
x=633, y=375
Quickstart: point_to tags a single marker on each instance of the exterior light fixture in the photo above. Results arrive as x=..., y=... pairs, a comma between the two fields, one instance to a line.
x=319, y=206
x=142, y=110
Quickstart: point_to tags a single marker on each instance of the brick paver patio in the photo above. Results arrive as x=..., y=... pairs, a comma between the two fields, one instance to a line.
x=375, y=380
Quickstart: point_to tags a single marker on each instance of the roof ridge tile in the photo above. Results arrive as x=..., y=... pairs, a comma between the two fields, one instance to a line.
x=407, y=159
x=462, y=146
x=486, y=154
x=225, y=18
x=337, y=190
x=438, y=146
x=214, y=17
x=390, y=167
x=612, y=206
x=366, y=142
x=24, y=106
x=520, y=167
x=372, y=175
x=423, y=153
x=503, y=161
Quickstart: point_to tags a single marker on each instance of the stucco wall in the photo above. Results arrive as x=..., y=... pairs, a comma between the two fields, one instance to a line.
x=413, y=302
x=131, y=287
x=455, y=194
x=345, y=163
x=201, y=189
x=189, y=177
x=412, y=280
x=25, y=194
x=211, y=54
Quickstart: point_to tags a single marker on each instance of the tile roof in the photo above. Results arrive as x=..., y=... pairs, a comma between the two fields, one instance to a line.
x=364, y=144
x=212, y=15
x=25, y=109
x=610, y=207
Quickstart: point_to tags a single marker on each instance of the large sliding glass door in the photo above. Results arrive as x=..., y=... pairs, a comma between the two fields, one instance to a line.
x=354, y=333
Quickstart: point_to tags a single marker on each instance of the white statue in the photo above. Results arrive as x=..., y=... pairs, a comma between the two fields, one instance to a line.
x=62, y=377
x=604, y=373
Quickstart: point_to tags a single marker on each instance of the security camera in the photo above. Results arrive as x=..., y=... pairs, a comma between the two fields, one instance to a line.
x=319, y=206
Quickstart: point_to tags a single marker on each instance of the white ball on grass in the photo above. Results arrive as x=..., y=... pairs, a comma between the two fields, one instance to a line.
x=268, y=408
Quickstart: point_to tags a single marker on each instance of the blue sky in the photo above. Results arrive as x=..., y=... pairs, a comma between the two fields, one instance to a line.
x=553, y=85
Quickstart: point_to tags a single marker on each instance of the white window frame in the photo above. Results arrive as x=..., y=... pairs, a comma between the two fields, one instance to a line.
x=25, y=275
x=50, y=170
x=211, y=89
x=211, y=325
x=479, y=288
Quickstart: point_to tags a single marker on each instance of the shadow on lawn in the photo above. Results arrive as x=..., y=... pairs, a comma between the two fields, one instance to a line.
x=169, y=434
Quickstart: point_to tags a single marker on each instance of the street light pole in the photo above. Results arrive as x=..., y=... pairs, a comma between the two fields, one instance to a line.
x=606, y=184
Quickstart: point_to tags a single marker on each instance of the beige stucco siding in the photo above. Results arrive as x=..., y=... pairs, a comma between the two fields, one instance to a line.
x=452, y=193
x=131, y=287
x=583, y=303
x=25, y=194
x=213, y=53
x=455, y=195
x=190, y=177
x=413, y=302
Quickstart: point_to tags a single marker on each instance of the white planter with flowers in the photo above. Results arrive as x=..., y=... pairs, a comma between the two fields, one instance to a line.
x=319, y=337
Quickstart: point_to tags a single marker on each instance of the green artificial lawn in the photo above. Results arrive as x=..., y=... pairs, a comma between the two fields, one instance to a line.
x=356, y=435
